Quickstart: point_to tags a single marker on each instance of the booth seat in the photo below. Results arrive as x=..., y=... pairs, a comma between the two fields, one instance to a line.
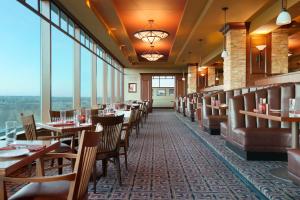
x=294, y=165
x=260, y=139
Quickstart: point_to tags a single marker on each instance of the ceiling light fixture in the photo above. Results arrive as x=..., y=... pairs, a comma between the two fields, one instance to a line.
x=284, y=16
x=151, y=35
x=261, y=47
x=152, y=55
x=224, y=52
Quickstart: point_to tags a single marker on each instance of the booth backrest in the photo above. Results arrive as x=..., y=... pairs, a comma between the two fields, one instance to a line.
x=277, y=97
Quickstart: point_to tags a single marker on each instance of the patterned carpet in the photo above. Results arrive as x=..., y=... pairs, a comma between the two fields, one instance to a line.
x=167, y=161
x=255, y=173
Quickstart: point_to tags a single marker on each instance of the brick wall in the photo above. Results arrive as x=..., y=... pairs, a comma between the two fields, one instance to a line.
x=192, y=79
x=279, y=53
x=211, y=76
x=235, y=62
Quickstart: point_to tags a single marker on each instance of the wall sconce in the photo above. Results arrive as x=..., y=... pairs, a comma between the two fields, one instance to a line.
x=202, y=74
x=260, y=58
x=189, y=75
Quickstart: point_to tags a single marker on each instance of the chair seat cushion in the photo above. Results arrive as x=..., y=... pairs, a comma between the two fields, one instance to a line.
x=46, y=191
x=63, y=148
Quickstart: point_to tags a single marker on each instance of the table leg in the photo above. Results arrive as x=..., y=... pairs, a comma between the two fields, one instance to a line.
x=295, y=135
x=40, y=167
x=2, y=189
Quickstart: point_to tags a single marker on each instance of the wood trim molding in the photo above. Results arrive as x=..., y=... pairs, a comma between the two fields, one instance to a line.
x=283, y=78
x=234, y=25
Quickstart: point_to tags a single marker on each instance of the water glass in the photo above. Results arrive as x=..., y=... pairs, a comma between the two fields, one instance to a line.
x=292, y=103
x=88, y=115
x=11, y=131
x=63, y=116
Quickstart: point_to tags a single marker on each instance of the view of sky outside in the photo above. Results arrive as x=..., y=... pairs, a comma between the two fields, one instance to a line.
x=19, y=51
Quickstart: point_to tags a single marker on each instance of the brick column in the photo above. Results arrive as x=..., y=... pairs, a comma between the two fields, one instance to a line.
x=279, y=55
x=192, y=79
x=235, y=62
x=211, y=74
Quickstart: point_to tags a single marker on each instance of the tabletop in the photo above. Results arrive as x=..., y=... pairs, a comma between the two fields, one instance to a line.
x=8, y=166
x=275, y=116
x=220, y=107
x=65, y=128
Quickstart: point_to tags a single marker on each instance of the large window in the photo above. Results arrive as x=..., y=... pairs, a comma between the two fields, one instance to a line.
x=23, y=70
x=85, y=78
x=62, y=71
x=19, y=63
x=163, y=81
x=100, y=81
x=109, y=84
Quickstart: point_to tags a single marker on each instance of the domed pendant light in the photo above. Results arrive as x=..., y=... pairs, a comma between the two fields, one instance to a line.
x=151, y=35
x=284, y=16
x=152, y=55
x=224, y=52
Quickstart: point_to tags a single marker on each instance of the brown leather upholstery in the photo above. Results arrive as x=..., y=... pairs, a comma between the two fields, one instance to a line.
x=294, y=165
x=43, y=191
x=212, y=117
x=259, y=135
x=262, y=139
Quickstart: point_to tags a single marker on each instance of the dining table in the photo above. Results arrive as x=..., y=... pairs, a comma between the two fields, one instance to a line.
x=33, y=151
x=280, y=116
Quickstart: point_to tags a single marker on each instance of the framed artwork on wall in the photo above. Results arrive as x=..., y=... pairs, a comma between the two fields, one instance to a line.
x=132, y=87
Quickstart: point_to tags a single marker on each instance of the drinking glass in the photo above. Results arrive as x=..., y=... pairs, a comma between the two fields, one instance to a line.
x=77, y=118
x=63, y=116
x=292, y=103
x=88, y=115
x=11, y=131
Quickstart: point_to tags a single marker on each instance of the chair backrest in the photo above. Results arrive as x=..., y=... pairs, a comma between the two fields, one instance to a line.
x=84, y=165
x=95, y=112
x=111, y=134
x=29, y=127
x=55, y=115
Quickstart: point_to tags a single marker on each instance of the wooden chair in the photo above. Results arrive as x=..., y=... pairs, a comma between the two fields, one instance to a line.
x=55, y=115
x=135, y=123
x=126, y=130
x=109, y=144
x=72, y=186
x=31, y=133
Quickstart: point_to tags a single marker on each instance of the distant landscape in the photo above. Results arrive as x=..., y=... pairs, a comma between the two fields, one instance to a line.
x=12, y=106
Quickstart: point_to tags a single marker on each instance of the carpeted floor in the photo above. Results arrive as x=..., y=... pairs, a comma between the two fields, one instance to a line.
x=255, y=173
x=167, y=161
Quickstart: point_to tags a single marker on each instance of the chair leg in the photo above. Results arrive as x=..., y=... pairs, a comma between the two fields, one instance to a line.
x=118, y=168
x=95, y=176
x=125, y=154
x=104, y=167
x=60, y=163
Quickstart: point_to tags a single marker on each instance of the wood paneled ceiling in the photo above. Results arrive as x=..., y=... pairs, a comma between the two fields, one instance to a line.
x=186, y=20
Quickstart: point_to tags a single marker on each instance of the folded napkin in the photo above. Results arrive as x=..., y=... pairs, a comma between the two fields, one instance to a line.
x=58, y=124
x=31, y=148
x=7, y=148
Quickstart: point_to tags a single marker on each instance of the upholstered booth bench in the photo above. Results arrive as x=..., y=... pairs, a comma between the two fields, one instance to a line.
x=260, y=139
